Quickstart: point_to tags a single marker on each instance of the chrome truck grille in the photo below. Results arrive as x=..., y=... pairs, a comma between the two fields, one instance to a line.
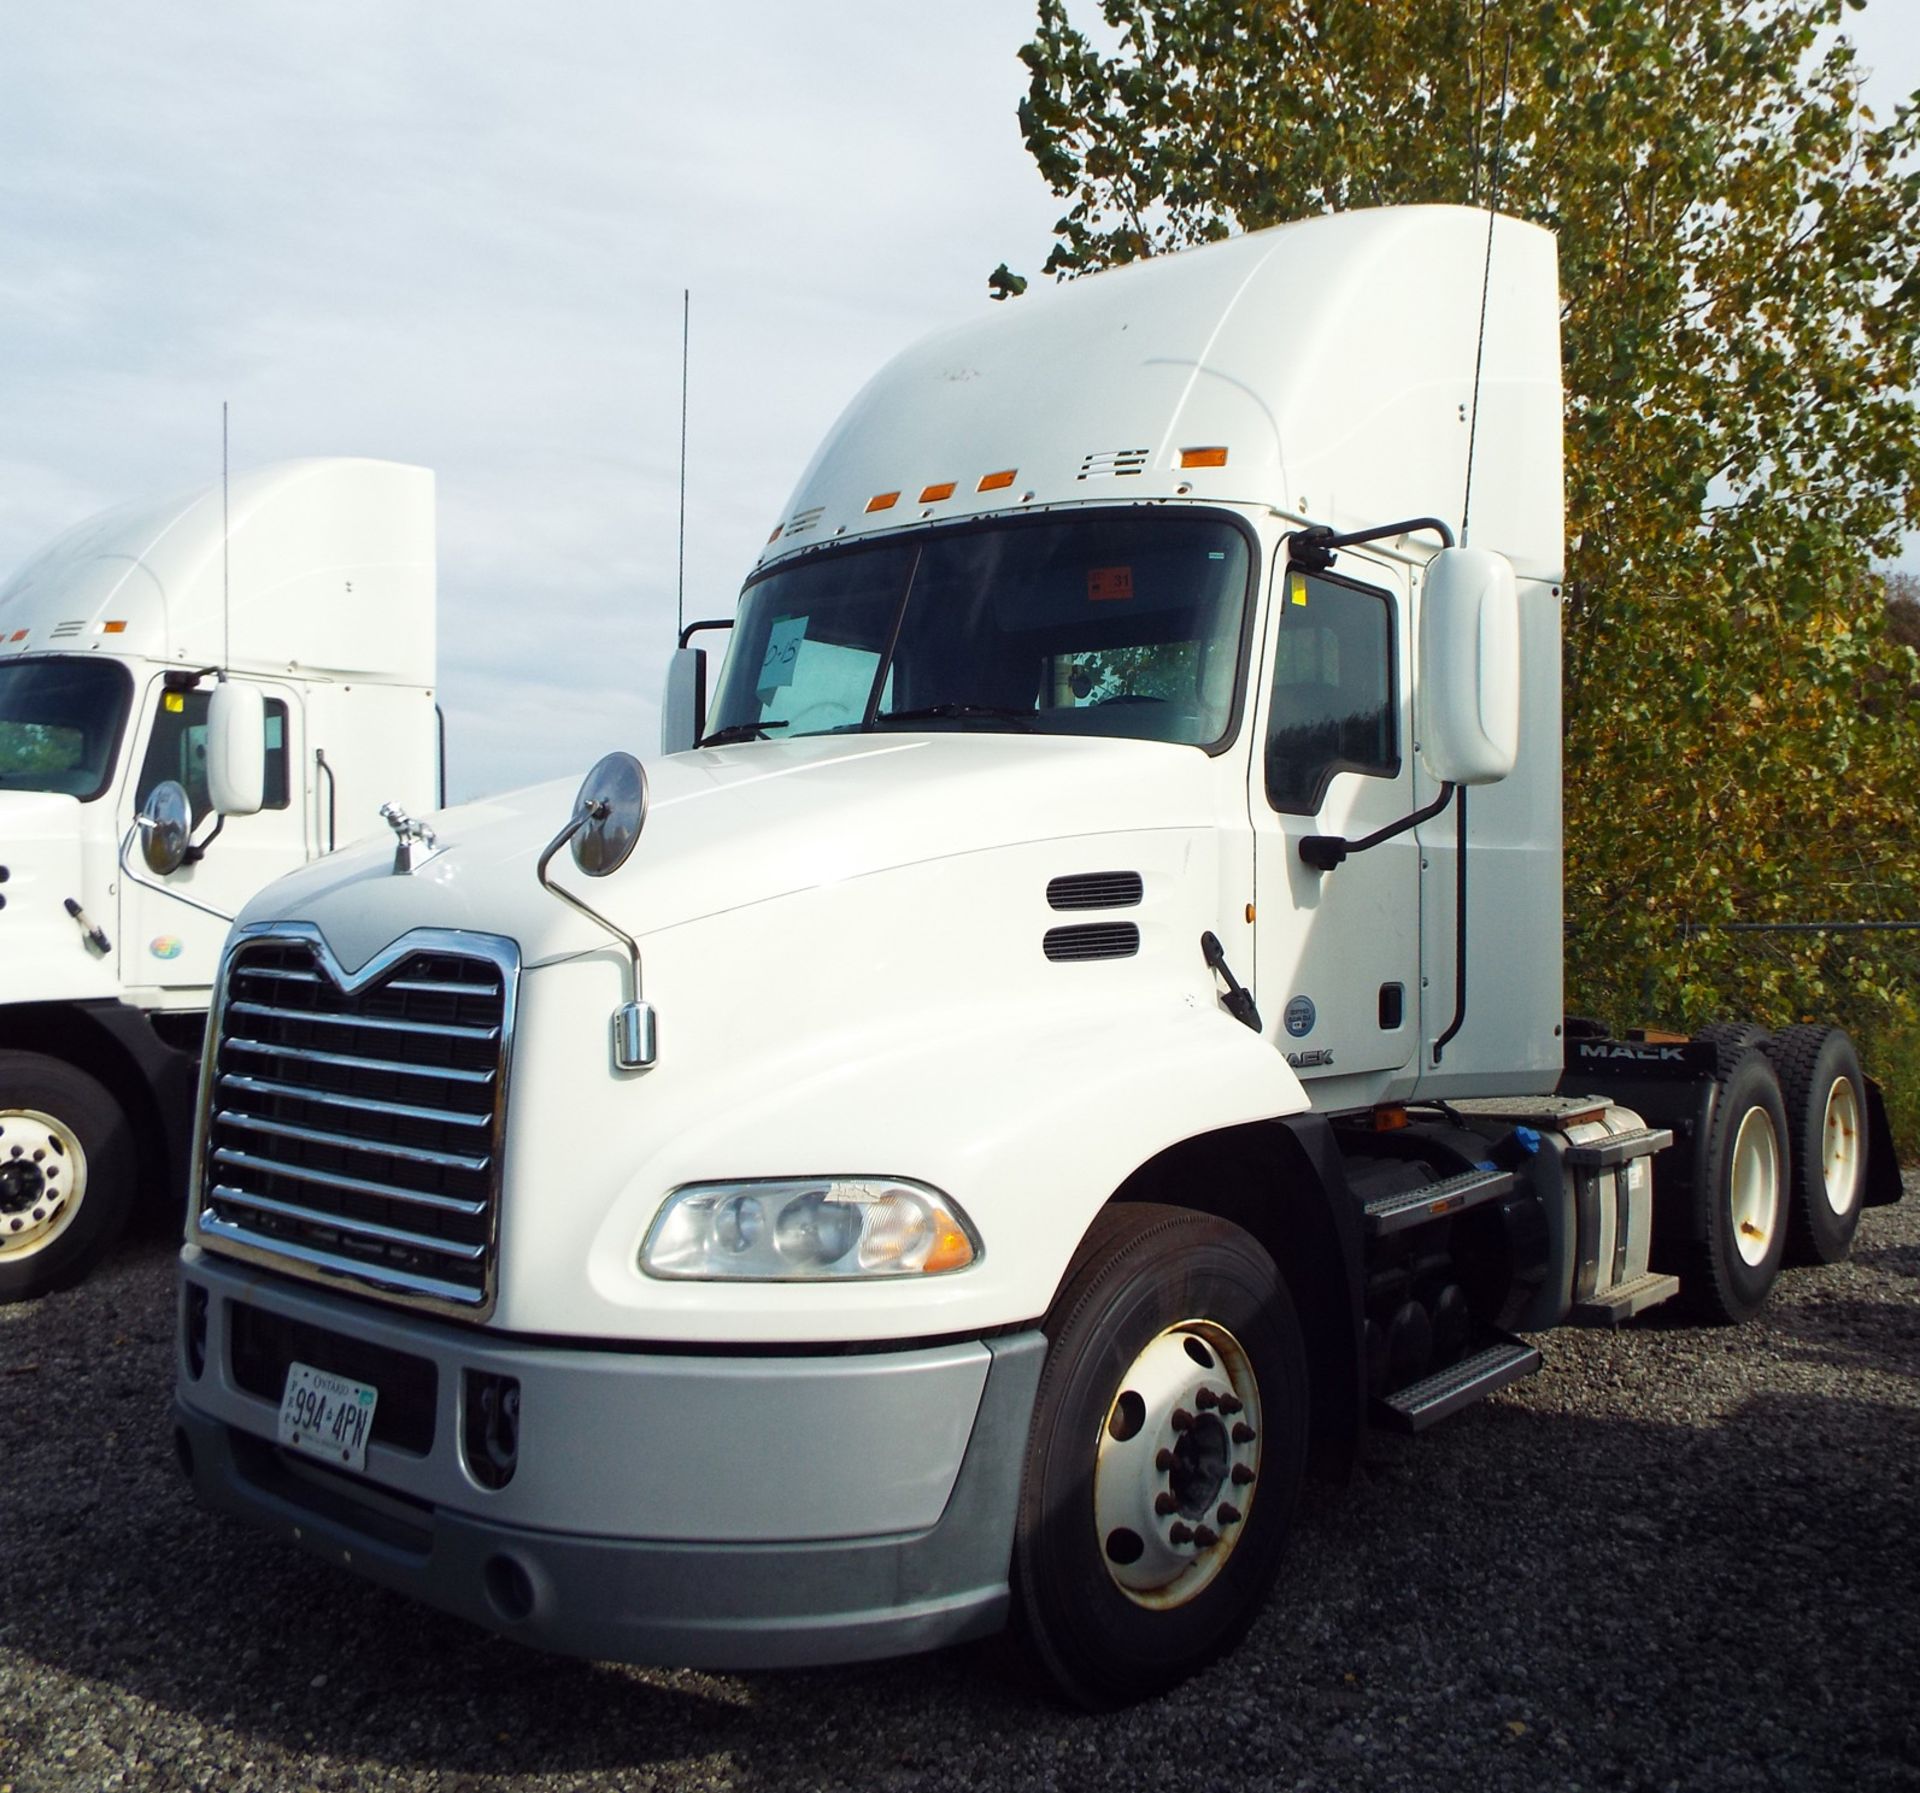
x=353, y=1123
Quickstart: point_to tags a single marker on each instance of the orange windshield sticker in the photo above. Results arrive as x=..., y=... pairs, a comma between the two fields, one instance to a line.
x=1104, y=584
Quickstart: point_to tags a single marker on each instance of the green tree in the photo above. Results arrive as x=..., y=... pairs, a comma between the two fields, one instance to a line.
x=1740, y=263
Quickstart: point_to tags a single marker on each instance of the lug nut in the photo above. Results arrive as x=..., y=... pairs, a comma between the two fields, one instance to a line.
x=1206, y=1537
x=1242, y=1475
x=1242, y=1432
x=1163, y=1504
x=1231, y=1403
x=1180, y=1532
x=1227, y=1513
x=1163, y=1460
x=1182, y=1419
x=1205, y=1399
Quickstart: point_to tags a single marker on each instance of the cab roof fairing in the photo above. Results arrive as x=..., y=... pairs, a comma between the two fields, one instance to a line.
x=1332, y=358
x=330, y=562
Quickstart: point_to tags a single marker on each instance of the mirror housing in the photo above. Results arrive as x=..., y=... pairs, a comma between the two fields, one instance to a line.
x=1467, y=705
x=236, y=748
x=683, y=713
x=166, y=825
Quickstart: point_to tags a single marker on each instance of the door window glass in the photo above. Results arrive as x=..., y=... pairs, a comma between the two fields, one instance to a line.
x=1333, y=691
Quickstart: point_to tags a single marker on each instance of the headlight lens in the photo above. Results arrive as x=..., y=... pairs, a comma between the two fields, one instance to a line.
x=808, y=1230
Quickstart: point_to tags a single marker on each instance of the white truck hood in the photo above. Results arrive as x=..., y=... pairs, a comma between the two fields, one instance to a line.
x=734, y=826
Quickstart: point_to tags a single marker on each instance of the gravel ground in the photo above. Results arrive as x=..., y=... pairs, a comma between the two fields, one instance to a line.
x=1678, y=1558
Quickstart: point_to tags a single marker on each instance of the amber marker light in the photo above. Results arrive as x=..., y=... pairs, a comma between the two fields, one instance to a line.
x=1203, y=457
x=1389, y=1119
x=882, y=501
x=18, y=635
x=776, y=534
x=933, y=494
x=113, y=628
x=952, y=1250
x=997, y=482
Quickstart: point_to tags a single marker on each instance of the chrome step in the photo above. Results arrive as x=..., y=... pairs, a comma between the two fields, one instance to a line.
x=1433, y=1201
x=1616, y=1306
x=1621, y=1148
x=1426, y=1402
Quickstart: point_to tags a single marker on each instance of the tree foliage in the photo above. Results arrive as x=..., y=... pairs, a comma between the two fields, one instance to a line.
x=1740, y=264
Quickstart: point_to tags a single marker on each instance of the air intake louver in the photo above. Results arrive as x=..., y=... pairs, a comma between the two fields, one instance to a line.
x=1093, y=940
x=1116, y=463
x=1095, y=890
x=802, y=521
x=355, y=1132
x=67, y=631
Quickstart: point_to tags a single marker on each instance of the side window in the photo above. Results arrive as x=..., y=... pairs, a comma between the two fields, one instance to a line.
x=1333, y=691
x=178, y=750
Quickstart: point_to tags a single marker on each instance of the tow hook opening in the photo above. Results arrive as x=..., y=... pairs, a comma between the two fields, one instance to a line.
x=490, y=1433
x=193, y=1329
x=509, y=1589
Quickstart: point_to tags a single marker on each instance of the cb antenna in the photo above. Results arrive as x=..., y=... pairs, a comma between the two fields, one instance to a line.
x=686, y=322
x=1486, y=281
x=226, y=576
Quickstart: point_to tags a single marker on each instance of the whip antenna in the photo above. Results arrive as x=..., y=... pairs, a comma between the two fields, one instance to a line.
x=686, y=321
x=226, y=578
x=1486, y=281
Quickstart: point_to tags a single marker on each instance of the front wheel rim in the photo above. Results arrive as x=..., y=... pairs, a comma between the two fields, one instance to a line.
x=1755, y=1189
x=43, y=1180
x=1177, y=1464
x=1840, y=1160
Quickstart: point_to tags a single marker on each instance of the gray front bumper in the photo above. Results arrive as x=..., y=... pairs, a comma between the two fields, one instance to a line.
x=669, y=1508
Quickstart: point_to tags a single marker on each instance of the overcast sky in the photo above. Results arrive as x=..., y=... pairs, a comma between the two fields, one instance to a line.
x=458, y=236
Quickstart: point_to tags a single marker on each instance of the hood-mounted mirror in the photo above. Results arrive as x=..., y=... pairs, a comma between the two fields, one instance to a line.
x=611, y=809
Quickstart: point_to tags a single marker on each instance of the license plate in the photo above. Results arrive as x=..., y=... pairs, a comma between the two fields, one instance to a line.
x=327, y=1416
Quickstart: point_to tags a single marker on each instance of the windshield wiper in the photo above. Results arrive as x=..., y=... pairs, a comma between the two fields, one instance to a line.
x=737, y=731
x=950, y=712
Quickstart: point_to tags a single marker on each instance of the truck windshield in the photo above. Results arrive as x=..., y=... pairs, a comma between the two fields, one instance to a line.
x=1102, y=623
x=60, y=724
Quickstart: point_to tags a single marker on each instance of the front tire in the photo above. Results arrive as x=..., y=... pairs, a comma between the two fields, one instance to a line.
x=1165, y=1456
x=66, y=1174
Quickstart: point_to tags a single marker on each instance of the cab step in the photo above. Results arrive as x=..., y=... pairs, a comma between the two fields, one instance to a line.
x=1426, y=1402
x=1433, y=1201
x=1616, y=1306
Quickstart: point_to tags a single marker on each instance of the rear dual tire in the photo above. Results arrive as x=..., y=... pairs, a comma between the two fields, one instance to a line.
x=1826, y=1106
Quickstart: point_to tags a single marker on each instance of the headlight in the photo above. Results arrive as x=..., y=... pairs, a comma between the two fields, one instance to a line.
x=808, y=1229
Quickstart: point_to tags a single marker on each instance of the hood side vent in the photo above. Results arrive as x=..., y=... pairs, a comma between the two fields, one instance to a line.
x=1097, y=940
x=67, y=631
x=1095, y=890
x=1115, y=463
x=802, y=521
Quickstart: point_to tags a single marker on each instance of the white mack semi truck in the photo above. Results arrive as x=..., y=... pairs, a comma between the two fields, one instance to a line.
x=195, y=697
x=1070, y=1034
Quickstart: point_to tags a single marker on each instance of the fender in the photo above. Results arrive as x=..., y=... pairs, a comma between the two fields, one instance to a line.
x=1010, y=1112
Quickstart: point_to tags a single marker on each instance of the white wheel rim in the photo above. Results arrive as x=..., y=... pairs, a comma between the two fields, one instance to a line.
x=1756, y=1185
x=43, y=1179
x=1840, y=1155
x=1176, y=1464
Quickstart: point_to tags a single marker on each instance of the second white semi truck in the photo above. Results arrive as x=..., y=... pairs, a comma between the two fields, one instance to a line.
x=303, y=596
x=1068, y=1035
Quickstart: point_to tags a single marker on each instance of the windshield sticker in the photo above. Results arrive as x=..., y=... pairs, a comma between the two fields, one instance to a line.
x=1297, y=591
x=783, y=648
x=1300, y=1016
x=1105, y=584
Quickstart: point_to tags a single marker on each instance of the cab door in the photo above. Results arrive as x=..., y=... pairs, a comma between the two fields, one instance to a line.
x=173, y=927
x=1337, y=952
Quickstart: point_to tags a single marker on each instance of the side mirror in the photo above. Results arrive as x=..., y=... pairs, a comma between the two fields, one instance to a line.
x=683, y=714
x=1467, y=703
x=236, y=748
x=165, y=823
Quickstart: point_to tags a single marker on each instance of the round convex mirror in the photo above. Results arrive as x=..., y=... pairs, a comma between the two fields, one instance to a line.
x=166, y=821
x=613, y=798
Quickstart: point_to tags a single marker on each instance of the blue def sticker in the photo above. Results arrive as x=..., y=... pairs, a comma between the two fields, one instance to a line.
x=1300, y=1016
